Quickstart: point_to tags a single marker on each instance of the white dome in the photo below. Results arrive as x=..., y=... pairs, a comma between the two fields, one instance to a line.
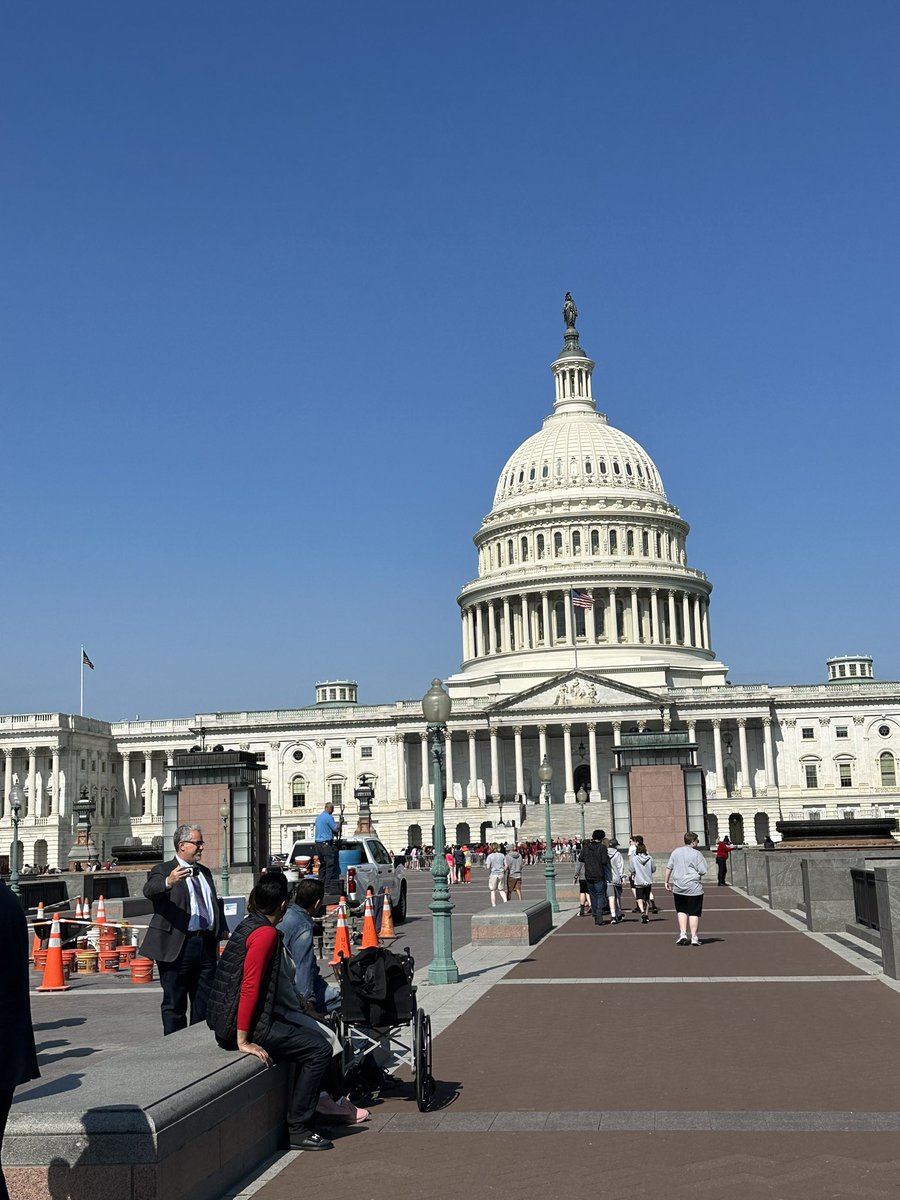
x=579, y=450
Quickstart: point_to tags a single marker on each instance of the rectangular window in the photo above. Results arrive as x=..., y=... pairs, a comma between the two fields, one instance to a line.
x=842, y=671
x=336, y=753
x=842, y=731
x=807, y=733
x=844, y=775
x=812, y=775
x=260, y=756
x=853, y=668
x=337, y=790
x=365, y=752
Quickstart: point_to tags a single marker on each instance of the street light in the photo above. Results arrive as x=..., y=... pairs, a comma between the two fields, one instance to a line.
x=545, y=775
x=16, y=797
x=436, y=707
x=225, y=813
x=581, y=797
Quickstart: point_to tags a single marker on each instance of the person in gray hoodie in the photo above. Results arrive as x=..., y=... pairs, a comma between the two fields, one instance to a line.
x=644, y=868
x=514, y=861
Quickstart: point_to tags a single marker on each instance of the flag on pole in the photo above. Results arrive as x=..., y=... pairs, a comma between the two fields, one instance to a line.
x=85, y=660
x=582, y=599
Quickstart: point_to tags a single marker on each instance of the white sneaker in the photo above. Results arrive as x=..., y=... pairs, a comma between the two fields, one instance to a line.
x=695, y=941
x=682, y=940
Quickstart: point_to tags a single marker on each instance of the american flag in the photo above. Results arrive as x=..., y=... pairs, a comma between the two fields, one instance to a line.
x=582, y=599
x=87, y=662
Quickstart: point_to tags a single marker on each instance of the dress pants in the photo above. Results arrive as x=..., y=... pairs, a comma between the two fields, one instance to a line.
x=6, y=1095
x=722, y=868
x=188, y=978
x=312, y=1054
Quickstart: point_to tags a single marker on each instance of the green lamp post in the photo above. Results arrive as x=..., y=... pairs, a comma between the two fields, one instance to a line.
x=16, y=796
x=225, y=813
x=581, y=797
x=545, y=775
x=436, y=707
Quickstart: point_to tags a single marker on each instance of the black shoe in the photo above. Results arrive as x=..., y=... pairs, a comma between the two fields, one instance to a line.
x=617, y=920
x=598, y=921
x=310, y=1141
x=645, y=920
x=634, y=910
x=653, y=908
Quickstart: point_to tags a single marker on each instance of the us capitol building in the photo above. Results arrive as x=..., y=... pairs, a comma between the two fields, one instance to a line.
x=583, y=623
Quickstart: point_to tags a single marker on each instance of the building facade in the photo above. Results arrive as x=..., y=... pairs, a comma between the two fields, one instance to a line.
x=584, y=621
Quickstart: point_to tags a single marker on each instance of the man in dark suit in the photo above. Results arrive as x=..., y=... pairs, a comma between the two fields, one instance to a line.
x=18, y=1061
x=185, y=929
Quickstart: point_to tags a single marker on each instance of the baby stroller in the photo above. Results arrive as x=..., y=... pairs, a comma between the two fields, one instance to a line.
x=379, y=1011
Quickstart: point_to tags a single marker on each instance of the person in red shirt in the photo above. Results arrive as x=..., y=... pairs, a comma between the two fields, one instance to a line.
x=723, y=849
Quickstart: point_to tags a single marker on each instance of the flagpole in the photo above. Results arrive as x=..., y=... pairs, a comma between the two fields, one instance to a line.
x=81, y=711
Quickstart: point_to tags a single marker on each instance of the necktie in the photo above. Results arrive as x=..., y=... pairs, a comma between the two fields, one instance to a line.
x=202, y=910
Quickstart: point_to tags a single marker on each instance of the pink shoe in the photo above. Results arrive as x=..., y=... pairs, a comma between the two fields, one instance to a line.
x=353, y=1115
x=341, y=1110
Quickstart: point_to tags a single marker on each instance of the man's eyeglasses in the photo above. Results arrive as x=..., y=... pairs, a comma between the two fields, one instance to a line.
x=188, y=842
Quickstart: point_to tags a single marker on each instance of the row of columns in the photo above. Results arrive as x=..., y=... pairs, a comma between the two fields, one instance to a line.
x=38, y=798
x=742, y=760
x=619, y=615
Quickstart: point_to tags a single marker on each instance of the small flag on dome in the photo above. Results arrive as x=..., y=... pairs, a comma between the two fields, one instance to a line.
x=84, y=658
x=582, y=599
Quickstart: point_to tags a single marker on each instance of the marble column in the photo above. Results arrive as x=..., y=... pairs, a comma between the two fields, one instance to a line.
x=520, y=766
x=567, y=755
x=482, y=630
x=491, y=629
x=32, y=809
x=148, y=783
x=592, y=758
x=686, y=619
x=590, y=624
x=425, y=790
x=567, y=616
x=673, y=626
x=613, y=618
x=54, y=779
x=617, y=733
x=656, y=633
x=495, y=765
x=769, y=759
x=635, y=618
x=545, y=615
x=448, y=765
x=695, y=609
x=504, y=632
x=402, y=783
x=721, y=792
x=7, y=779
x=126, y=783
x=706, y=638
x=542, y=743
x=473, y=767
x=744, y=763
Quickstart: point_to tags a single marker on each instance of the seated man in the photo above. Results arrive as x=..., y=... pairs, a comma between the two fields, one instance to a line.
x=299, y=930
x=253, y=1008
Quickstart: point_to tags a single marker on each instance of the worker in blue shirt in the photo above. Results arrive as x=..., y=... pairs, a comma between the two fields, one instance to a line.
x=326, y=834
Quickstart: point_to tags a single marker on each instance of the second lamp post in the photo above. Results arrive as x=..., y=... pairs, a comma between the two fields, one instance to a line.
x=545, y=775
x=436, y=707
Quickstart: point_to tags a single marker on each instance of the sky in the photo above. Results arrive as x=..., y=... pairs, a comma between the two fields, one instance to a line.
x=282, y=284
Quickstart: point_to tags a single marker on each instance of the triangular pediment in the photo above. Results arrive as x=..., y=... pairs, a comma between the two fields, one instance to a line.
x=579, y=690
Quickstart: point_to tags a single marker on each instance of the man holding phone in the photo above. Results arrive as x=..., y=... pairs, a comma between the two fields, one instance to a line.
x=185, y=929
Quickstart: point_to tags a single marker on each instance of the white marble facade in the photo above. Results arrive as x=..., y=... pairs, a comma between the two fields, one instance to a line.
x=579, y=505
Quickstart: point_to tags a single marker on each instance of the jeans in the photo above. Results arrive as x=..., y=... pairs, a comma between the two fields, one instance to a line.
x=312, y=1054
x=328, y=855
x=597, y=893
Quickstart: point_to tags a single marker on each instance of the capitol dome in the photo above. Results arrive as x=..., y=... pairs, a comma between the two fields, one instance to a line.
x=583, y=555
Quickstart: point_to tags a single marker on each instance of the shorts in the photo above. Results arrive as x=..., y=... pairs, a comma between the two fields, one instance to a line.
x=614, y=890
x=583, y=887
x=497, y=883
x=691, y=906
x=643, y=893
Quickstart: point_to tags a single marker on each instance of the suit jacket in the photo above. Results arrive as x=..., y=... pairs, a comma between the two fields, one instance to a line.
x=172, y=912
x=18, y=1061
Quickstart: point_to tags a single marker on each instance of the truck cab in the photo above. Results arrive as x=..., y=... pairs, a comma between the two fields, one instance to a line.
x=376, y=870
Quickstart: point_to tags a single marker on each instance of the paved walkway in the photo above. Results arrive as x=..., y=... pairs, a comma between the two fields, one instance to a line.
x=613, y=1062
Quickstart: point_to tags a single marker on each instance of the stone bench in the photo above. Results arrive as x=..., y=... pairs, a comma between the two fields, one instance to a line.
x=173, y=1119
x=512, y=924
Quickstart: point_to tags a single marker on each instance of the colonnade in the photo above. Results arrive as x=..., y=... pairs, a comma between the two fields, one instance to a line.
x=618, y=616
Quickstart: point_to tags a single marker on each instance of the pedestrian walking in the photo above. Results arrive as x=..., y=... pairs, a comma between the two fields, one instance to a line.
x=615, y=877
x=684, y=879
x=495, y=864
x=595, y=856
x=643, y=867
x=514, y=863
x=584, y=896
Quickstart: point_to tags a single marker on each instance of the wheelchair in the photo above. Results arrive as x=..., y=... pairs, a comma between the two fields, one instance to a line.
x=379, y=1012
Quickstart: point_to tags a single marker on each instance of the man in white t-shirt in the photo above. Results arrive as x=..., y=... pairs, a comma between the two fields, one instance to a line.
x=495, y=864
x=684, y=879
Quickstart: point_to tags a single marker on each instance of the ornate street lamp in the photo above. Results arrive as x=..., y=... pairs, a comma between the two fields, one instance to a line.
x=16, y=796
x=84, y=850
x=436, y=707
x=545, y=775
x=581, y=797
x=225, y=813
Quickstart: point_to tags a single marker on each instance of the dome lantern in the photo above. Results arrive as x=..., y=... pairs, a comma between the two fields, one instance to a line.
x=572, y=369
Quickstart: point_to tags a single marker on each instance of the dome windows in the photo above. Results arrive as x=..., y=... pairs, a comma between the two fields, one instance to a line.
x=532, y=473
x=629, y=542
x=541, y=546
x=588, y=467
x=629, y=470
x=576, y=542
x=545, y=471
x=602, y=466
x=557, y=545
x=617, y=470
x=523, y=552
x=613, y=542
x=595, y=541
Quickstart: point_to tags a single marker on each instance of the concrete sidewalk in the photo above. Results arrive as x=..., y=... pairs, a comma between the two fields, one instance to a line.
x=613, y=1062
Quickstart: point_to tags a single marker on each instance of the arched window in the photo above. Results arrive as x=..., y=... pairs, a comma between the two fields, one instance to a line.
x=595, y=541
x=298, y=792
x=580, y=628
x=541, y=546
x=414, y=836
x=588, y=466
x=613, y=542
x=510, y=552
x=522, y=475
x=557, y=545
x=645, y=543
x=532, y=473
x=559, y=469
x=573, y=467
x=576, y=542
x=629, y=471
x=658, y=546
x=545, y=471
x=602, y=466
x=499, y=554
x=888, y=769
x=617, y=470
x=523, y=549
x=629, y=542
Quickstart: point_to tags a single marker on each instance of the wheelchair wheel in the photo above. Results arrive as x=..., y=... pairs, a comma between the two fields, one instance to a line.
x=422, y=1060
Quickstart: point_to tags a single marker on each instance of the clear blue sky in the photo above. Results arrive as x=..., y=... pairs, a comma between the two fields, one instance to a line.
x=282, y=284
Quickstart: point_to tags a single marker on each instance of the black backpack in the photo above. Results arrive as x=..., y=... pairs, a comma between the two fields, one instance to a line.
x=377, y=987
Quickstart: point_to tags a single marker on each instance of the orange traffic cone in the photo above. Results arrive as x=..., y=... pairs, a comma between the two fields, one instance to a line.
x=342, y=936
x=78, y=913
x=54, y=979
x=387, y=917
x=101, y=912
x=36, y=944
x=370, y=933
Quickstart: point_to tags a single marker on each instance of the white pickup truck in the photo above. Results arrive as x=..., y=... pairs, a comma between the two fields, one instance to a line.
x=376, y=871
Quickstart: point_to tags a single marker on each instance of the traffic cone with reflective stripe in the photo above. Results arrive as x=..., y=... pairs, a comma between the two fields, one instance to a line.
x=342, y=935
x=370, y=933
x=78, y=912
x=36, y=944
x=54, y=978
x=101, y=912
x=387, y=917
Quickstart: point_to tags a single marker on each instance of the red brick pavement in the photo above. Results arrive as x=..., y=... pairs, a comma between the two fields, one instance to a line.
x=742, y=1062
